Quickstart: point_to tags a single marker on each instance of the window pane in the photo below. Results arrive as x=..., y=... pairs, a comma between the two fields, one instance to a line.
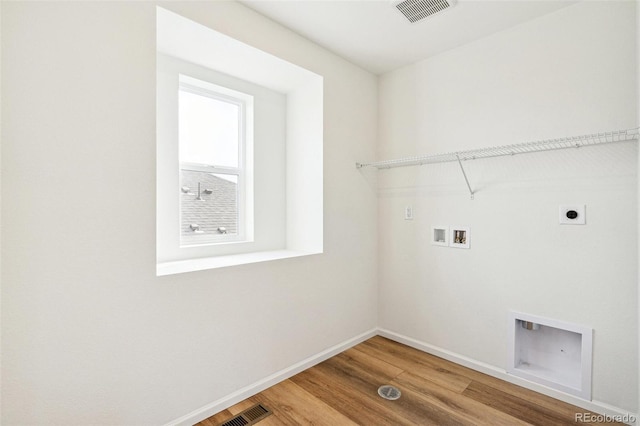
x=209, y=130
x=210, y=211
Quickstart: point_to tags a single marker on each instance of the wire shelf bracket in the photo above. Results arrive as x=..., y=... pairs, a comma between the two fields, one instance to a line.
x=465, y=176
x=508, y=150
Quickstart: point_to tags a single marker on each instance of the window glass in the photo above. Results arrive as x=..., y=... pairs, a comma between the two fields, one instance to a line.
x=208, y=130
x=208, y=206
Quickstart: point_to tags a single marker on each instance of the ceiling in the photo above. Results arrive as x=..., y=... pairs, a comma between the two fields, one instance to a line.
x=377, y=37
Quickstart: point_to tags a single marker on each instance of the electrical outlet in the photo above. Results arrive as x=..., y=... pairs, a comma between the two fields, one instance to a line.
x=573, y=214
x=408, y=213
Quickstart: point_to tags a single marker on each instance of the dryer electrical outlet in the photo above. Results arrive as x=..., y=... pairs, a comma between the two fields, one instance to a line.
x=573, y=214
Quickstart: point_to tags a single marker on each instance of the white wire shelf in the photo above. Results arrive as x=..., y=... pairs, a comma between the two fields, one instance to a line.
x=507, y=150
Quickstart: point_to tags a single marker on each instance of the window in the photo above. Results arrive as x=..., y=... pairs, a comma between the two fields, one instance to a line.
x=239, y=148
x=214, y=139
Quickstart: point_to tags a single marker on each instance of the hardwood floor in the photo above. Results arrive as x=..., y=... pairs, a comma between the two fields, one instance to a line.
x=343, y=391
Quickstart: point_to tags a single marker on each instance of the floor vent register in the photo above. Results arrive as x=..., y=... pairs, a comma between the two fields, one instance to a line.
x=249, y=416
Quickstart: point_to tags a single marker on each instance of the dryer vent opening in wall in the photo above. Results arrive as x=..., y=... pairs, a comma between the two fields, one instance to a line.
x=416, y=10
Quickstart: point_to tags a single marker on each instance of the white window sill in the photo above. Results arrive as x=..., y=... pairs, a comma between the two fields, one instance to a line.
x=192, y=265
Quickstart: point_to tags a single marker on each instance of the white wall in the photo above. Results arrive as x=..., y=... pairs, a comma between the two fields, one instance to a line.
x=0, y=203
x=637, y=37
x=568, y=73
x=638, y=124
x=90, y=334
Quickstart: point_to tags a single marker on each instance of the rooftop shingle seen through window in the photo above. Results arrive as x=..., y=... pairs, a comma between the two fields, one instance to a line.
x=217, y=209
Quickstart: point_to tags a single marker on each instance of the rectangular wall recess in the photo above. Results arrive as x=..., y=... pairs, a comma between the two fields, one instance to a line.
x=551, y=352
x=440, y=235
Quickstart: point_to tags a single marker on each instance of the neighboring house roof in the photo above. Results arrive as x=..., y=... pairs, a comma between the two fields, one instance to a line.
x=218, y=207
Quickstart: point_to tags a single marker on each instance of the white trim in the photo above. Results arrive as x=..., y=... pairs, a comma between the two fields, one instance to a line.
x=595, y=406
x=207, y=168
x=214, y=262
x=250, y=390
x=244, y=187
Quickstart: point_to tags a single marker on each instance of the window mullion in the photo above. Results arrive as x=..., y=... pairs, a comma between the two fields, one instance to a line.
x=206, y=168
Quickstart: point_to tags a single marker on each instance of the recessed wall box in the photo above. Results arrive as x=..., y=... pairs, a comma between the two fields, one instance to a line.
x=459, y=236
x=573, y=214
x=551, y=352
x=440, y=235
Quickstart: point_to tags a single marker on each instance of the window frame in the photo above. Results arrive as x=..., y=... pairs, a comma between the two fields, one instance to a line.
x=244, y=101
x=288, y=225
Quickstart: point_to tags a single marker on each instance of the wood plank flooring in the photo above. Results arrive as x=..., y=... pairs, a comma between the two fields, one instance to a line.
x=343, y=391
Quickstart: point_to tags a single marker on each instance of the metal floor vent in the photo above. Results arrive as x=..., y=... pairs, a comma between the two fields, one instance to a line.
x=389, y=392
x=415, y=10
x=249, y=416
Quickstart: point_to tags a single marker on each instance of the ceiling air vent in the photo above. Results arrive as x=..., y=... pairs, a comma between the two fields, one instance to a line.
x=415, y=10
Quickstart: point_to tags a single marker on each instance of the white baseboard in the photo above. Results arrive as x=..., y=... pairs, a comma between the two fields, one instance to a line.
x=595, y=406
x=250, y=390
x=257, y=387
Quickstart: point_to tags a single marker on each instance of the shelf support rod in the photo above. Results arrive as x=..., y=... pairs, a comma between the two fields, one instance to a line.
x=465, y=176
